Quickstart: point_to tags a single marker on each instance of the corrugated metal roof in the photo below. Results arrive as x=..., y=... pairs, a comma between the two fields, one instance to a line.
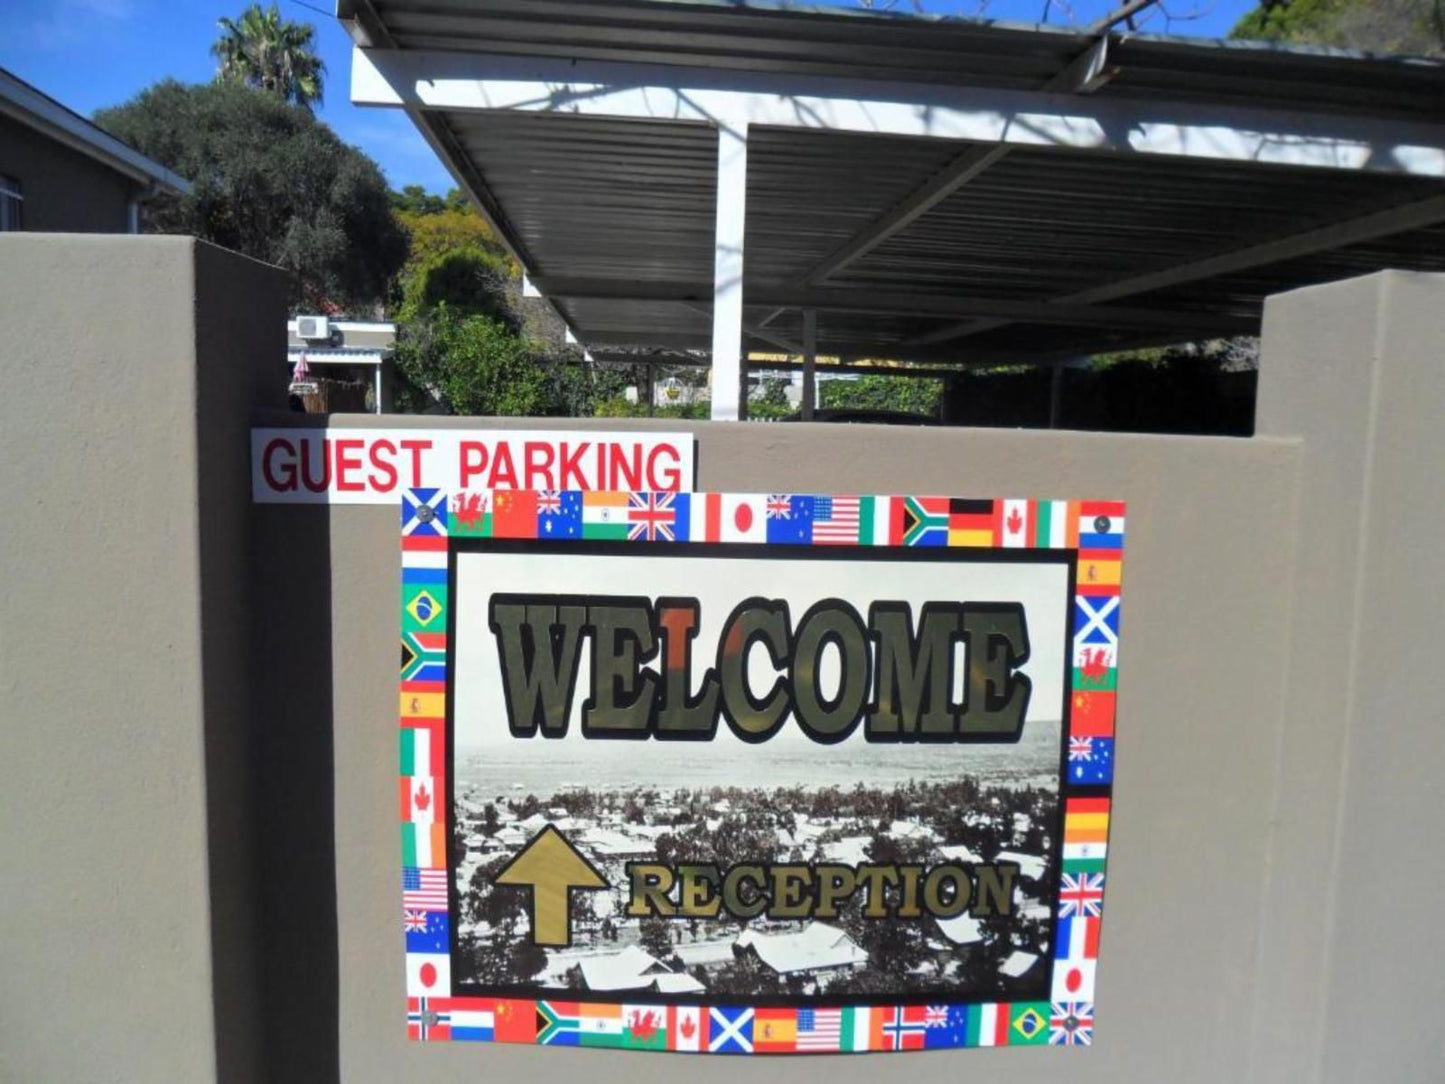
x=627, y=205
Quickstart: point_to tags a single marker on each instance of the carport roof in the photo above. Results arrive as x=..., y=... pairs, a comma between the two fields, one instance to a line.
x=934, y=188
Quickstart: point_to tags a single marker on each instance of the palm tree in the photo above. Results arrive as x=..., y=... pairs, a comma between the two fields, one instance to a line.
x=261, y=50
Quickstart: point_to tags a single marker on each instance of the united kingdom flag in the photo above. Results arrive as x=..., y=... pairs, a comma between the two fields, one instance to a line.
x=549, y=502
x=651, y=516
x=1081, y=895
x=1081, y=748
x=780, y=506
x=414, y=921
x=1071, y=1023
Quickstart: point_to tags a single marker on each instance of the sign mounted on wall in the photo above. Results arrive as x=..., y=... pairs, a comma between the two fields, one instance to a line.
x=375, y=466
x=734, y=773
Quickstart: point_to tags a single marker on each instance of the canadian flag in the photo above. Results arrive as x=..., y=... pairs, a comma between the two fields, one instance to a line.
x=686, y=1027
x=418, y=799
x=1017, y=524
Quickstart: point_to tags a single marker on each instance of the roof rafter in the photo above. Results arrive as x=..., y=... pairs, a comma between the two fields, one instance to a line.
x=1426, y=212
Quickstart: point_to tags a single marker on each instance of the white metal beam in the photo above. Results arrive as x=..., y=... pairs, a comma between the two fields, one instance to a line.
x=898, y=303
x=810, y=362
x=728, y=385
x=1409, y=216
x=480, y=81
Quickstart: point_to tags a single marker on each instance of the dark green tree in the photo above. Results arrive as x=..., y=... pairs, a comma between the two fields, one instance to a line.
x=270, y=181
x=473, y=364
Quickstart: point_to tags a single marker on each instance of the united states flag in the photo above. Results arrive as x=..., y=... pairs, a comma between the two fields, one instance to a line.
x=423, y=889
x=820, y=1029
x=835, y=520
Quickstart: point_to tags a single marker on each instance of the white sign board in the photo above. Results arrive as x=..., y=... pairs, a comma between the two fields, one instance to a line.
x=374, y=466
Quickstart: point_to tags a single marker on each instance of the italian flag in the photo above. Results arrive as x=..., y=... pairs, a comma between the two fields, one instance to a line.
x=988, y=1025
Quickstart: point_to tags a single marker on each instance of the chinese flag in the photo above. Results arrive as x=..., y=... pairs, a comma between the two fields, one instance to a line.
x=1091, y=715
x=515, y=1021
x=514, y=514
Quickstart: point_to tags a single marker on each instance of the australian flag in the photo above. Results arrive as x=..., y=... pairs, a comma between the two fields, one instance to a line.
x=790, y=519
x=1091, y=760
x=559, y=514
x=432, y=934
x=945, y=1026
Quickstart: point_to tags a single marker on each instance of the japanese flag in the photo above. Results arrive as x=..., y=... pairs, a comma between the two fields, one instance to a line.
x=428, y=974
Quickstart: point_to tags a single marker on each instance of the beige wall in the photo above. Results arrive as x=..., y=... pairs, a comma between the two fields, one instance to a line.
x=128, y=907
x=200, y=788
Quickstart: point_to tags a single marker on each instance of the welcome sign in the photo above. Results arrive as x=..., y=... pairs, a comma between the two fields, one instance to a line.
x=735, y=773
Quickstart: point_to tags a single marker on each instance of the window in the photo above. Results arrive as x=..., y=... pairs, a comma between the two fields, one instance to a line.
x=11, y=200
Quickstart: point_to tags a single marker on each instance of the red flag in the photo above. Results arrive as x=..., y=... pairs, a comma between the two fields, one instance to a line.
x=514, y=514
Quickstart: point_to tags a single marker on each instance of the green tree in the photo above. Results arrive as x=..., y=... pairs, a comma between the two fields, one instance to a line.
x=905, y=394
x=262, y=50
x=473, y=364
x=271, y=181
x=1385, y=26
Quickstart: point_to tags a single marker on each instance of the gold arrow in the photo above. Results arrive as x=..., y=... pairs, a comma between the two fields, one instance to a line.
x=551, y=867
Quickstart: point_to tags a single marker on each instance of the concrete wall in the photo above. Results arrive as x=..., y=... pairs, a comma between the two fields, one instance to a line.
x=63, y=189
x=199, y=810
x=128, y=913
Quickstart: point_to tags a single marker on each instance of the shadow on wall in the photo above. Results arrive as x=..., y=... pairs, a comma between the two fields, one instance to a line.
x=292, y=705
x=1185, y=398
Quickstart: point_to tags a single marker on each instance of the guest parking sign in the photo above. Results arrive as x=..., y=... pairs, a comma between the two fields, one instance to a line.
x=770, y=773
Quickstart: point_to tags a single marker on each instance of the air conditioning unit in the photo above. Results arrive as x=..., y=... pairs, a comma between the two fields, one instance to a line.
x=311, y=328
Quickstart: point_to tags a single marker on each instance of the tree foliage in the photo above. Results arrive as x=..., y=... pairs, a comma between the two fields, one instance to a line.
x=1385, y=26
x=271, y=181
x=906, y=394
x=262, y=50
x=474, y=364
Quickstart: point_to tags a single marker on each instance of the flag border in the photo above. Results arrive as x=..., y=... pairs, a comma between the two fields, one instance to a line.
x=1086, y=807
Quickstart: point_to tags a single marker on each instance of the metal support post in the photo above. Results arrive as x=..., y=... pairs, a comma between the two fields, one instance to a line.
x=729, y=388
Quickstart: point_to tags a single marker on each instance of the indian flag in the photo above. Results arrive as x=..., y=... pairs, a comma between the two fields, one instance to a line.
x=599, y=1025
x=604, y=515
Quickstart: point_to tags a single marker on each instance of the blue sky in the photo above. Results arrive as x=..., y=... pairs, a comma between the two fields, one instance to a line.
x=89, y=54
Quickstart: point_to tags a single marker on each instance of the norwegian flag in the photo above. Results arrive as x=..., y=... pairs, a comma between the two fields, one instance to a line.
x=651, y=516
x=1081, y=748
x=1071, y=1023
x=1081, y=895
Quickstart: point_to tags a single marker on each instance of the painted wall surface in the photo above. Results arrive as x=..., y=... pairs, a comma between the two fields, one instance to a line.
x=127, y=916
x=64, y=189
x=200, y=743
x=1207, y=603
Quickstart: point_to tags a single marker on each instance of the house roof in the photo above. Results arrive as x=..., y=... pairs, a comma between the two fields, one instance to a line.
x=937, y=189
x=626, y=970
x=816, y=947
x=29, y=106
